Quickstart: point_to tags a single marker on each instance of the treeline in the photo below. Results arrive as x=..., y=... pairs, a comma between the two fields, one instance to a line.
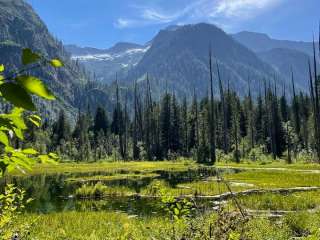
x=244, y=127
x=278, y=122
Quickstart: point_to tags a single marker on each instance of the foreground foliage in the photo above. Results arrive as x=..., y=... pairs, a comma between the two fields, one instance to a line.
x=16, y=90
x=110, y=225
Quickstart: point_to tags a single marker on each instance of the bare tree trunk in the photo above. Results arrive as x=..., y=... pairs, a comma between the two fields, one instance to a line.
x=212, y=118
x=225, y=125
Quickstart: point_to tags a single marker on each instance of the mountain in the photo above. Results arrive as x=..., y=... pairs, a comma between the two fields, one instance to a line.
x=178, y=61
x=22, y=28
x=106, y=63
x=282, y=55
x=82, y=51
x=285, y=60
x=260, y=42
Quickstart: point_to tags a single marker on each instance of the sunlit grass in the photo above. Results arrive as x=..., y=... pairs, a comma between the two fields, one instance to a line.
x=276, y=179
x=116, y=225
x=99, y=191
x=271, y=165
x=112, y=167
x=130, y=176
x=286, y=202
x=101, y=225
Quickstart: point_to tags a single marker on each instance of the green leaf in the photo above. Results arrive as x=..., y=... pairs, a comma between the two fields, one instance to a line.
x=22, y=161
x=53, y=156
x=179, y=206
x=46, y=159
x=36, y=86
x=176, y=211
x=4, y=138
x=29, y=57
x=1, y=67
x=37, y=124
x=16, y=118
x=30, y=151
x=1, y=77
x=56, y=63
x=18, y=132
x=17, y=95
x=35, y=117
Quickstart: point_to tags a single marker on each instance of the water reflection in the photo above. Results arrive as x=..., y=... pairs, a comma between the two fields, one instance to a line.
x=54, y=193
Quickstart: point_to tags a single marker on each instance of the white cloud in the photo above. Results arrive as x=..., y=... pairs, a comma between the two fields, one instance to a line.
x=242, y=8
x=221, y=12
x=152, y=15
x=124, y=23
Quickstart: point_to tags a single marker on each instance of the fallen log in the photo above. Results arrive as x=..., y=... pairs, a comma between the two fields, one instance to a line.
x=276, y=213
x=222, y=197
x=228, y=195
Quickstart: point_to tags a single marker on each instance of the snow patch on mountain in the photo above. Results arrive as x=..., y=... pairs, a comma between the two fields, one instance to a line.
x=106, y=63
x=110, y=57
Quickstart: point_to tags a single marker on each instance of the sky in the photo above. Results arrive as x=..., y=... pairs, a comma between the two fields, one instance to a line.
x=102, y=23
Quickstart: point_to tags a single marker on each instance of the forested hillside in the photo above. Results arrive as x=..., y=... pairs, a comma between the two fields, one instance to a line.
x=22, y=28
x=273, y=123
x=176, y=59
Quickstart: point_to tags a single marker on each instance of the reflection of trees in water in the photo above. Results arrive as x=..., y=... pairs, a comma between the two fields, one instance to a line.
x=53, y=193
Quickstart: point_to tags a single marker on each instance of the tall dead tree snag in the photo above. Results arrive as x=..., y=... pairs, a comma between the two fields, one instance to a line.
x=135, y=147
x=225, y=123
x=314, y=94
x=212, y=134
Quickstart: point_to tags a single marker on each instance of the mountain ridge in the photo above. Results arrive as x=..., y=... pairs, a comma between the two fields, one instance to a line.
x=264, y=58
x=23, y=28
x=187, y=48
x=259, y=42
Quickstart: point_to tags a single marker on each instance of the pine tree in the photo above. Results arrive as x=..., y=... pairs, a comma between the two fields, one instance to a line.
x=184, y=127
x=61, y=129
x=295, y=110
x=193, y=141
x=165, y=124
x=174, y=131
x=258, y=121
x=100, y=122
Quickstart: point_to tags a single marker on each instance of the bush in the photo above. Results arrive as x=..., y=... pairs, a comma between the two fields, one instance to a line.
x=299, y=223
x=263, y=229
x=12, y=202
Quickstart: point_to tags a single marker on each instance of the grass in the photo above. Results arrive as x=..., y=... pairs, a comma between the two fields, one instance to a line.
x=265, y=177
x=196, y=188
x=99, y=191
x=120, y=226
x=131, y=176
x=291, y=202
x=100, y=225
x=276, y=179
x=111, y=167
x=271, y=165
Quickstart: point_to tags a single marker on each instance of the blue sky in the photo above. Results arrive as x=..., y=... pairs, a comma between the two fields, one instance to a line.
x=102, y=23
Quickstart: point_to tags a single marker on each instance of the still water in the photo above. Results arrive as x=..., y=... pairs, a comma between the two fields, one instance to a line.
x=55, y=193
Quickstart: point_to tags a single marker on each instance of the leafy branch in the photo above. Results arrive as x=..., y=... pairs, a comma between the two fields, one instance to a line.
x=17, y=89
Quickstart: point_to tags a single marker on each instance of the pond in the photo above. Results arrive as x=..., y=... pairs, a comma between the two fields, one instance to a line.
x=55, y=193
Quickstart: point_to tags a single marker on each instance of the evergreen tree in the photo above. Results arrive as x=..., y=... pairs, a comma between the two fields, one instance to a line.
x=165, y=124
x=100, y=122
x=61, y=129
x=174, y=131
